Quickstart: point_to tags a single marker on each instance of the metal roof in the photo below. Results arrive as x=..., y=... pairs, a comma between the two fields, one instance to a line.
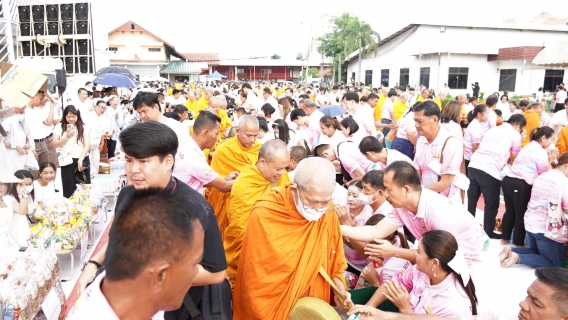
x=182, y=67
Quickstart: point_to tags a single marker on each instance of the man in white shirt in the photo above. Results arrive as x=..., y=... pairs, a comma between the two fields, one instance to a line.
x=334, y=96
x=145, y=278
x=251, y=102
x=82, y=103
x=560, y=119
x=267, y=98
x=309, y=107
x=40, y=120
x=176, y=98
x=388, y=118
x=560, y=96
x=321, y=98
x=97, y=134
x=114, y=121
x=363, y=115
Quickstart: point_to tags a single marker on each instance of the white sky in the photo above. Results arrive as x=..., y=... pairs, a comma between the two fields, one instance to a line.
x=247, y=28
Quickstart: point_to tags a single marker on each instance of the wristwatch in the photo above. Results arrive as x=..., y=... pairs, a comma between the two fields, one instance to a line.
x=91, y=261
x=22, y=196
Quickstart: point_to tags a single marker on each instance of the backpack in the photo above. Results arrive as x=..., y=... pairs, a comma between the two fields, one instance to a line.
x=216, y=304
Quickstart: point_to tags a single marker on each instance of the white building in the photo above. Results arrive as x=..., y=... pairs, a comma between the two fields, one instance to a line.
x=499, y=57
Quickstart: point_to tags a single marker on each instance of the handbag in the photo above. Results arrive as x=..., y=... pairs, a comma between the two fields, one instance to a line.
x=64, y=160
x=392, y=134
x=216, y=304
x=31, y=162
x=557, y=225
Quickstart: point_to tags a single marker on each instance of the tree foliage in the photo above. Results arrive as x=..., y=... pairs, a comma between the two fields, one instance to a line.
x=312, y=72
x=275, y=56
x=299, y=56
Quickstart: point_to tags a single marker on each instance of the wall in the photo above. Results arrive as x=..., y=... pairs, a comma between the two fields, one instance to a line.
x=133, y=43
x=255, y=72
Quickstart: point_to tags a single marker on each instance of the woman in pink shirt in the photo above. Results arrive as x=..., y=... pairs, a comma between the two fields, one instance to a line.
x=449, y=119
x=474, y=132
x=551, y=186
x=517, y=185
x=349, y=127
x=353, y=162
x=438, y=284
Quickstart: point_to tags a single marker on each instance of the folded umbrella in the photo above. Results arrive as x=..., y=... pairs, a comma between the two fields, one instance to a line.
x=115, y=80
x=333, y=111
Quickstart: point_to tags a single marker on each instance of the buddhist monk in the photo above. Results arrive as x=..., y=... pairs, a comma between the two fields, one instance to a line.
x=233, y=155
x=292, y=232
x=252, y=183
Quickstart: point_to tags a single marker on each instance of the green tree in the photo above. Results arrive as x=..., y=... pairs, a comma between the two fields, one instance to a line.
x=349, y=34
x=299, y=56
x=312, y=72
x=275, y=56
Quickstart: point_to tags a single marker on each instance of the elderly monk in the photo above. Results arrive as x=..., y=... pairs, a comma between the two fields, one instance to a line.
x=253, y=182
x=215, y=107
x=233, y=155
x=291, y=233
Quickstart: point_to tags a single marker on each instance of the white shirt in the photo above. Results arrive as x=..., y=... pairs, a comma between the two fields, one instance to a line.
x=97, y=125
x=112, y=122
x=387, y=109
x=274, y=104
x=45, y=195
x=504, y=107
x=365, y=119
x=558, y=121
x=196, y=173
x=333, y=98
x=174, y=102
x=35, y=117
x=336, y=139
x=251, y=101
x=72, y=145
x=315, y=129
x=322, y=100
x=83, y=106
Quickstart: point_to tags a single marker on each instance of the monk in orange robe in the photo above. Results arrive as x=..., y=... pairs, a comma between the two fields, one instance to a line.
x=233, y=155
x=252, y=183
x=292, y=232
x=215, y=107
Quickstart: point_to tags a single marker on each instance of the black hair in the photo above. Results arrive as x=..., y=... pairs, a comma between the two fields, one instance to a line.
x=81, y=89
x=47, y=164
x=268, y=109
x=391, y=93
x=355, y=183
x=375, y=178
x=205, y=120
x=283, y=130
x=370, y=144
x=163, y=216
x=296, y=114
x=267, y=90
x=523, y=103
x=376, y=218
x=404, y=175
x=180, y=109
x=498, y=112
x=491, y=101
x=429, y=107
x=537, y=133
x=517, y=119
x=175, y=91
x=172, y=115
x=350, y=124
x=147, y=139
x=480, y=108
x=149, y=99
x=372, y=96
x=246, y=85
x=22, y=174
x=304, y=96
x=262, y=124
x=472, y=99
x=79, y=124
x=351, y=96
x=2, y=131
x=558, y=279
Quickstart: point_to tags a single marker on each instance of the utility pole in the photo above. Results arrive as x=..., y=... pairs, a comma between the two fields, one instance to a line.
x=339, y=69
x=321, y=48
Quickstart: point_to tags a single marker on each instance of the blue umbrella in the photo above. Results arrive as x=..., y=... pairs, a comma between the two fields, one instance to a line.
x=333, y=111
x=114, y=80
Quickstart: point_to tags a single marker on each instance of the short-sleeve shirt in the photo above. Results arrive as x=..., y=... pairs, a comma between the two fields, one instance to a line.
x=405, y=123
x=213, y=254
x=364, y=118
x=196, y=172
x=392, y=156
x=315, y=129
x=531, y=161
x=495, y=149
x=336, y=139
x=351, y=158
x=74, y=146
x=436, y=212
x=454, y=129
x=388, y=108
x=472, y=135
x=431, y=152
x=552, y=185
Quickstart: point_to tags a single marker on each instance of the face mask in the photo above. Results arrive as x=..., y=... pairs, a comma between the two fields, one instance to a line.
x=310, y=214
x=367, y=199
x=29, y=189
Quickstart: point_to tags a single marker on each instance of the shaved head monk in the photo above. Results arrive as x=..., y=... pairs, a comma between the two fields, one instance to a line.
x=297, y=154
x=233, y=155
x=253, y=182
x=291, y=233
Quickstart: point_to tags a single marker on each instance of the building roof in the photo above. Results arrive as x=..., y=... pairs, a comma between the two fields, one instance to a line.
x=131, y=25
x=182, y=67
x=515, y=53
x=272, y=62
x=210, y=58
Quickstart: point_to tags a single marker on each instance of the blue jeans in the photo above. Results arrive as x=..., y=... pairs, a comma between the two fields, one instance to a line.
x=403, y=146
x=542, y=252
x=385, y=130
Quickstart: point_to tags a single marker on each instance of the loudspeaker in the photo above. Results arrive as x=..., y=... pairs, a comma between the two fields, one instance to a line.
x=60, y=78
x=68, y=48
x=85, y=64
x=24, y=13
x=82, y=11
x=66, y=11
x=54, y=50
x=26, y=49
x=82, y=27
x=38, y=13
x=25, y=29
x=39, y=49
x=69, y=65
x=82, y=47
x=39, y=28
x=52, y=12
x=67, y=27
x=53, y=28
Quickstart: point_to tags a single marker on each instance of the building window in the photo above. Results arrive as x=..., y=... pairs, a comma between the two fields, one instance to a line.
x=457, y=78
x=552, y=78
x=264, y=72
x=404, y=76
x=507, y=78
x=368, y=77
x=353, y=76
x=113, y=49
x=154, y=49
x=385, y=77
x=425, y=77
x=240, y=70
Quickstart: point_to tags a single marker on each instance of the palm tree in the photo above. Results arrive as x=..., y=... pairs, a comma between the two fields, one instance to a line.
x=367, y=40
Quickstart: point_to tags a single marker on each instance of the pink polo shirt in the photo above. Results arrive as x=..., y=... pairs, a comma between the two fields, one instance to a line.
x=353, y=258
x=392, y=156
x=351, y=158
x=430, y=152
x=435, y=212
x=552, y=185
x=447, y=299
x=393, y=266
x=495, y=148
x=366, y=121
x=531, y=161
x=453, y=128
x=194, y=170
x=405, y=123
x=491, y=121
x=473, y=134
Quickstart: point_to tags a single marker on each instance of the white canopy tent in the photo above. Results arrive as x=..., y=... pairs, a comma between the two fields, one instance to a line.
x=553, y=55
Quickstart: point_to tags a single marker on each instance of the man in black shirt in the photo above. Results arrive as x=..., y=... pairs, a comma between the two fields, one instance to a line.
x=149, y=149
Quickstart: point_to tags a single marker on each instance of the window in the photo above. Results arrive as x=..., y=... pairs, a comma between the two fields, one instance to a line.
x=552, y=78
x=404, y=76
x=113, y=49
x=457, y=78
x=154, y=49
x=240, y=70
x=353, y=76
x=368, y=77
x=425, y=77
x=385, y=77
x=507, y=78
x=264, y=72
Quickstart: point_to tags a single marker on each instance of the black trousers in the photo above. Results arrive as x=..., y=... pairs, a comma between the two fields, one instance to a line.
x=68, y=179
x=558, y=107
x=480, y=183
x=111, y=146
x=517, y=194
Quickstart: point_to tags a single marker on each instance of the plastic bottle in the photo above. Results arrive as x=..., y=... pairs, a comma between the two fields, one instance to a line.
x=9, y=312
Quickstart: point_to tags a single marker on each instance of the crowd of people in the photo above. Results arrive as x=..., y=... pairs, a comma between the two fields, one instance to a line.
x=259, y=194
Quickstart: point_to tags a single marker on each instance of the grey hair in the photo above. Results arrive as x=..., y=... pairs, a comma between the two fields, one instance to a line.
x=462, y=96
x=213, y=100
x=247, y=120
x=404, y=95
x=208, y=90
x=273, y=148
x=222, y=102
x=315, y=173
x=309, y=103
x=385, y=90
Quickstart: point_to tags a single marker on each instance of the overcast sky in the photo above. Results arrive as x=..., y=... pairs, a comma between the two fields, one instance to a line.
x=242, y=29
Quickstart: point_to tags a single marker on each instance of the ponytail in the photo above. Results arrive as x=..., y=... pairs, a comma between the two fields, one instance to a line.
x=469, y=290
x=537, y=133
x=329, y=121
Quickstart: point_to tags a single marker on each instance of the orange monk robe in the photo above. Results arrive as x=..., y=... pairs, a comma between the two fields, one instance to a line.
x=225, y=125
x=192, y=106
x=533, y=121
x=230, y=156
x=280, y=258
x=247, y=189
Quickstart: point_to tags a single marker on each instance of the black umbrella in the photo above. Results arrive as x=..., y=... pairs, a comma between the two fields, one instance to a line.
x=116, y=69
